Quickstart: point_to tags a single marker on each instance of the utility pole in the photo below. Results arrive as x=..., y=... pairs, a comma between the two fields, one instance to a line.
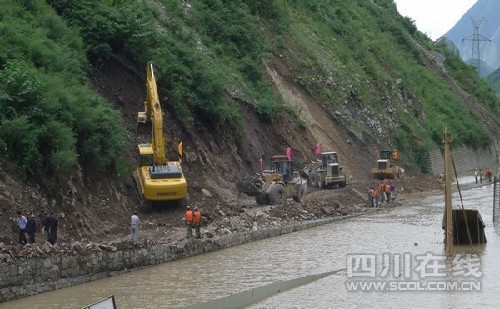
x=476, y=39
x=447, y=193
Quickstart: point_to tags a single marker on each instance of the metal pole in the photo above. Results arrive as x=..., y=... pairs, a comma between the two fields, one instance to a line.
x=447, y=192
x=494, y=196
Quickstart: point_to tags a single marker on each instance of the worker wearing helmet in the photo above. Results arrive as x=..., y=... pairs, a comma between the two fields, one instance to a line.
x=388, y=193
x=189, y=221
x=197, y=222
x=394, y=154
x=381, y=192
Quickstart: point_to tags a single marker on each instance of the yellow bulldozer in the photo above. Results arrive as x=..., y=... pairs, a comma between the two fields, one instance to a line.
x=275, y=184
x=386, y=167
x=325, y=172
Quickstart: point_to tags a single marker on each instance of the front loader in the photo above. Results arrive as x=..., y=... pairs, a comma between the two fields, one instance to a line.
x=325, y=172
x=274, y=185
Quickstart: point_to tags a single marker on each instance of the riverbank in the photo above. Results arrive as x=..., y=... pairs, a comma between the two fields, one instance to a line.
x=29, y=276
x=35, y=269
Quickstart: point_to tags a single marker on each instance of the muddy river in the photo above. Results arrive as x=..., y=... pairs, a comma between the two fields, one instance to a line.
x=393, y=258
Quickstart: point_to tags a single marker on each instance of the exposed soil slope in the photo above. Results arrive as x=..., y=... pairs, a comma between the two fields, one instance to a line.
x=96, y=208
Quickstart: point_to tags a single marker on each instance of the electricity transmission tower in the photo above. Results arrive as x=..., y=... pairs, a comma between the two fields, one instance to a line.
x=476, y=39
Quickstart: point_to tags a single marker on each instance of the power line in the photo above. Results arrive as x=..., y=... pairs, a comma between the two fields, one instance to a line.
x=476, y=39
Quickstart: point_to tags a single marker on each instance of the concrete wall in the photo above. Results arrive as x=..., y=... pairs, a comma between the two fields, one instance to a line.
x=466, y=160
x=26, y=277
x=250, y=296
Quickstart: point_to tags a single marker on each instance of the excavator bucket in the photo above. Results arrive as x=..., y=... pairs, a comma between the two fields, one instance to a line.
x=143, y=131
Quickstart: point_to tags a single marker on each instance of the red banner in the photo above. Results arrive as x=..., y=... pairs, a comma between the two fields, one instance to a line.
x=318, y=149
x=289, y=153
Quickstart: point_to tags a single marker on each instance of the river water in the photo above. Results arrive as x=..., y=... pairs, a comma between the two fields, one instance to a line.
x=406, y=241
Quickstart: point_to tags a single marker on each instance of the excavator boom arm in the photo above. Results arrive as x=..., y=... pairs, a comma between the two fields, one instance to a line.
x=154, y=114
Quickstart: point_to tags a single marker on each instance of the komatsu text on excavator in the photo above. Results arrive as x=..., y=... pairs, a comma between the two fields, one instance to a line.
x=157, y=179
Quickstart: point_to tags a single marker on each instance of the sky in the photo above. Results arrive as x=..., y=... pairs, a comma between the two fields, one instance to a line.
x=434, y=17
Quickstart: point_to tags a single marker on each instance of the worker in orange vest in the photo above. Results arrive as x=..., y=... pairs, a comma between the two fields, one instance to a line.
x=197, y=222
x=394, y=155
x=189, y=222
x=373, y=197
x=489, y=173
x=380, y=191
x=388, y=193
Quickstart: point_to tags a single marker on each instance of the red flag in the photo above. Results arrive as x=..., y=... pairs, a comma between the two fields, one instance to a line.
x=261, y=161
x=376, y=155
x=318, y=148
x=289, y=153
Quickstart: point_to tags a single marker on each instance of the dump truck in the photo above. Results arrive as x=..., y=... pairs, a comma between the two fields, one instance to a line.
x=275, y=184
x=325, y=172
x=386, y=167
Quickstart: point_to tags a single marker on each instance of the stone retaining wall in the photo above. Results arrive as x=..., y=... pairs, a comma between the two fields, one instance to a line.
x=466, y=160
x=26, y=277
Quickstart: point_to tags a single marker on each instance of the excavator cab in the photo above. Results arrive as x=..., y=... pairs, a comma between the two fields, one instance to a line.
x=145, y=152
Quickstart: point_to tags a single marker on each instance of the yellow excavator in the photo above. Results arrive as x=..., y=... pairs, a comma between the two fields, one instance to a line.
x=157, y=179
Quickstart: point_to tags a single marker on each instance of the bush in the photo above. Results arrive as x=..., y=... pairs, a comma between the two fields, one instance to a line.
x=41, y=125
x=20, y=139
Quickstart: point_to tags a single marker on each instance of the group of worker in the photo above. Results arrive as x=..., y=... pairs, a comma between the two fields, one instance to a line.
x=193, y=221
x=28, y=228
x=478, y=174
x=384, y=192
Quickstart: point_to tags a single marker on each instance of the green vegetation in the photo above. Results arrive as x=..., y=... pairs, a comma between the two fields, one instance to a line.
x=43, y=97
x=364, y=47
x=209, y=55
x=197, y=52
x=494, y=80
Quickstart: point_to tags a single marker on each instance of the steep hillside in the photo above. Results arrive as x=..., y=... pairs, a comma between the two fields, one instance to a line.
x=237, y=80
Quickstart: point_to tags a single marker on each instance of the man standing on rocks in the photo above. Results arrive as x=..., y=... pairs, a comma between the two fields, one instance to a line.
x=189, y=222
x=22, y=222
x=50, y=226
x=373, y=197
x=134, y=220
x=31, y=229
x=197, y=222
x=381, y=192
